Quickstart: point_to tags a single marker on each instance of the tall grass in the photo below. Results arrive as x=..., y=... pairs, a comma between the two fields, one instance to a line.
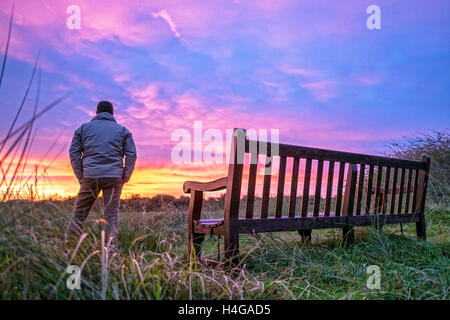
x=435, y=144
x=152, y=261
x=17, y=143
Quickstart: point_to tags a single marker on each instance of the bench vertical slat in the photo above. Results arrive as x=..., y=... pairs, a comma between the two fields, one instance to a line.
x=280, y=188
x=408, y=191
x=305, y=196
x=316, y=207
x=362, y=170
x=421, y=194
x=350, y=188
x=329, y=188
x=387, y=179
x=294, y=182
x=266, y=188
x=377, y=200
x=394, y=190
x=400, y=192
x=349, y=202
x=416, y=183
x=369, y=189
x=339, y=189
x=251, y=186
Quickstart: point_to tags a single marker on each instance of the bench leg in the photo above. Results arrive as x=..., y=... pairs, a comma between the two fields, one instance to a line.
x=420, y=228
x=306, y=235
x=232, y=249
x=348, y=235
x=194, y=239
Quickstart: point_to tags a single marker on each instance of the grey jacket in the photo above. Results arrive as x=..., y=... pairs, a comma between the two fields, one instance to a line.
x=98, y=148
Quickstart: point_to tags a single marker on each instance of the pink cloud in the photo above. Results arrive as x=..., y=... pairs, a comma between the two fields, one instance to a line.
x=322, y=90
x=366, y=80
x=168, y=18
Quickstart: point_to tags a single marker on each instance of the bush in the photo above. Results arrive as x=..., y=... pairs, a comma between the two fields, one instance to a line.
x=437, y=146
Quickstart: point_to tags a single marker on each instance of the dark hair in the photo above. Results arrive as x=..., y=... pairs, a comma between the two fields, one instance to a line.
x=104, y=106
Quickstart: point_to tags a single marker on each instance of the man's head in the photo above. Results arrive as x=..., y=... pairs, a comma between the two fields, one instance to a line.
x=105, y=106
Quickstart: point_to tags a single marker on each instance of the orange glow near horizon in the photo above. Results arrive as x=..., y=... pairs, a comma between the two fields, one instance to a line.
x=58, y=181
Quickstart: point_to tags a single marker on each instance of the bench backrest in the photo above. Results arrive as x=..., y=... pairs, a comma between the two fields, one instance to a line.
x=359, y=183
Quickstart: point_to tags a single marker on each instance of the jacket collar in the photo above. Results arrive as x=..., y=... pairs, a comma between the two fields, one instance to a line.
x=104, y=116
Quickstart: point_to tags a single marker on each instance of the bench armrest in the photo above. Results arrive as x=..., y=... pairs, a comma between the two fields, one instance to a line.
x=215, y=185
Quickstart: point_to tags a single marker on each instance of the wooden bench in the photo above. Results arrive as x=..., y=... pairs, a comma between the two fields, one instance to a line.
x=358, y=176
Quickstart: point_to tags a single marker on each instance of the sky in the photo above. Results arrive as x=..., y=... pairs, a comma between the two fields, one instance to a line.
x=311, y=69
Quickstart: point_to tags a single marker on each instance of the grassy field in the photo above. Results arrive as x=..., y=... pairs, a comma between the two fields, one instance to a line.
x=153, y=264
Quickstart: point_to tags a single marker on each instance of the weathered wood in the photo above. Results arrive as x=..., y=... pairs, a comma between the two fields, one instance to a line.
x=215, y=185
x=394, y=187
x=369, y=188
x=339, y=189
x=294, y=183
x=194, y=212
x=348, y=205
x=377, y=201
x=316, y=207
x=339, y=156
x=306, y=235
x=329, y=188
x=386, y=189
x=307, y=180
x=232, y=197
x=266, y=188
x=400, y=194
x=209, y=226
x=416, y=184
x=345, y=216
x=350, y=188
x=408, y=191
x=382, y=190
x=362, y=170
x=272, y=224
x=421, y=193
x=251, y=185
x=280, y=188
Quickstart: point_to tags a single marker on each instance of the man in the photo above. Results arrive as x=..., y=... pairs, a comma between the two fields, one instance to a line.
x=96, y=153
